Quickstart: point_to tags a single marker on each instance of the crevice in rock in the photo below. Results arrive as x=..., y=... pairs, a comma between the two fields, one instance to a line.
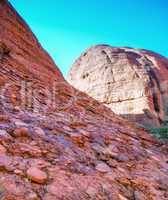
x=85, y=75
x=4, y=50
x=153, y=79
x=154, y=94
x=123, y=100
x=133, y=54
x=109, y=61
x=107, y=57
x=156, y=104
x=133, y=58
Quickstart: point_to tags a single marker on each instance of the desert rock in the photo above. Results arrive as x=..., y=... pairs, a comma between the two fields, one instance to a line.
x=75, y=132
x=132, y=82
x=37, y=175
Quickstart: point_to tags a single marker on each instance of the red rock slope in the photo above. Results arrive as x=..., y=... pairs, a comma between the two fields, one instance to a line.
x=63, y=144
x=132, y=82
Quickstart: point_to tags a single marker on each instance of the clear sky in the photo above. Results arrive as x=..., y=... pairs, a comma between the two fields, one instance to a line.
x=66, y=28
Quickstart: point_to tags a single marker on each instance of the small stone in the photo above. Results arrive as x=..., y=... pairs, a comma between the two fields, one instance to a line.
x=33, y=196
x=16, y=108
x=77, y=138
x=37, y=175
x=91, y=191
x=121, y=197
x=103, y=167
x=33, y=143
x=20, y=123
x=2, y=150
x=85, y=133
x=112, y=163
x=139, y=195
x=3, y=133
x=124, y=181
x=2, y=192
x=18, y=172
x=96, y=147
x=34, y=151
x=163, y=183
x=52, y=189
x=21, y=132
x=6, y=163
x=121, y=158
x=39, y=131
x=4, y=118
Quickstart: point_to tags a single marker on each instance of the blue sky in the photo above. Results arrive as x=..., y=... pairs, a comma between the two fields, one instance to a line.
x=66, y=28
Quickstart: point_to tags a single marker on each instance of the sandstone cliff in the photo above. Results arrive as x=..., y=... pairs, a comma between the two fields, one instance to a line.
x=63, y=144
x=132, y=82
x=18, y=43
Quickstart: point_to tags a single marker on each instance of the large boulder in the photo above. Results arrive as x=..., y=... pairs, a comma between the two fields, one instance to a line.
x=132, y=82
x=75, y=148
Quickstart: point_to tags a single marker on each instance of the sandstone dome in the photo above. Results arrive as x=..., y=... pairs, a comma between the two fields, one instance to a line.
x=132, y=82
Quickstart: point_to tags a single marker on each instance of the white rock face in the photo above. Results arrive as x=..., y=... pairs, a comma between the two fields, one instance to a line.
x=132, y=82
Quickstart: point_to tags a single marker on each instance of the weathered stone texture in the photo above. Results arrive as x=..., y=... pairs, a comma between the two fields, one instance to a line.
x=76, y=149
x=132, y=82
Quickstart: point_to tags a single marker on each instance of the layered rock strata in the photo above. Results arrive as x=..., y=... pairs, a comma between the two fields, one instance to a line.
x=64, y=144
x=132, y=82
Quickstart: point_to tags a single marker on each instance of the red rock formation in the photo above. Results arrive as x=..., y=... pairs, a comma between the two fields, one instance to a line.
x=132, y=82
x=74, y=149
x=21, y=51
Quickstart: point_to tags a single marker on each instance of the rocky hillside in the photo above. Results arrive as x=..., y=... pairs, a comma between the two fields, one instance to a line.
x=56, y=142
x=132, y=82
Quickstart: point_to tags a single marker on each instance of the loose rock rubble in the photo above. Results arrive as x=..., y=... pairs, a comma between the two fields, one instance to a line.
x=76, y=149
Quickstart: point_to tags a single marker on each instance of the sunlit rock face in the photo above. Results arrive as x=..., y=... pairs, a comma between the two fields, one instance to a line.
x=25, y=65
x=21, y=52
x=75, y=148
x=132, y=82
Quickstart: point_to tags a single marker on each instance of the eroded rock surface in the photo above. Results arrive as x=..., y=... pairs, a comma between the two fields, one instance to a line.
x=132, y=82
x=70, y=147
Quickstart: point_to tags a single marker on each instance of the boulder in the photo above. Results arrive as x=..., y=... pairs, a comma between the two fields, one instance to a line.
x=132, y=82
